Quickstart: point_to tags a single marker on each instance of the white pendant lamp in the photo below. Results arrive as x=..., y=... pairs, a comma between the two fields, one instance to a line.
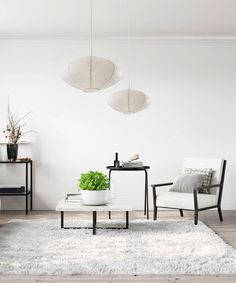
x=91, y=74
x=128, y=101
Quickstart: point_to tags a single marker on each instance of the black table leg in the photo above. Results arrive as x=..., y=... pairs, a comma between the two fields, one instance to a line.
x=31, y=185
x=94, y=225
x=62, y=219
x=109, y=212
x=94, y=222
x=127, y=219
x=145, y=201
x=26, y=188
x=146, y=207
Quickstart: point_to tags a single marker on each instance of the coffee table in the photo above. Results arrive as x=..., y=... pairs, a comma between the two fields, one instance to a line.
x=64, y=206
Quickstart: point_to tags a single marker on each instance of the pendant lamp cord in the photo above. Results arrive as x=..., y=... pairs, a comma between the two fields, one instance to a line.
x=91, y=27
x=129, y=40
x=129, y=50
x=91, y=46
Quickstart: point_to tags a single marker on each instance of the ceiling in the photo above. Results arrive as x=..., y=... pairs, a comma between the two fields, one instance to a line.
x=147, y=17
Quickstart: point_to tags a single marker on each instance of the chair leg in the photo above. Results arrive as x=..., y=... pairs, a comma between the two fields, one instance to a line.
x=155, y=213
x=181, y=212
x=195, y=217
x=220, y=213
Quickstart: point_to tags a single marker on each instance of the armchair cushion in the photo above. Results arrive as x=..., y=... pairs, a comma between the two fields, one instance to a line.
x=208, y=175
x=186, y=183
x=185, y=200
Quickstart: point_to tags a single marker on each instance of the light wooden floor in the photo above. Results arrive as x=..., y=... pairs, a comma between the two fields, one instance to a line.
x=226, y=230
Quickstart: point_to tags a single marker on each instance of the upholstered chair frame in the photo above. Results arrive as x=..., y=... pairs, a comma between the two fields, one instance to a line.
x=195, y=198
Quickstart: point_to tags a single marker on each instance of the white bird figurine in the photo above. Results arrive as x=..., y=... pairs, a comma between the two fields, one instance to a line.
x=134, y=157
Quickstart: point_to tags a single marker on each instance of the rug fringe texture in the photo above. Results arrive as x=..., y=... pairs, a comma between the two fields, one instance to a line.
x=148, y=247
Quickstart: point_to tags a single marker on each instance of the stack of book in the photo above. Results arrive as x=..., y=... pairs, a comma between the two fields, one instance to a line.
x=132, y=164
x=74, y=198
x=14, y=189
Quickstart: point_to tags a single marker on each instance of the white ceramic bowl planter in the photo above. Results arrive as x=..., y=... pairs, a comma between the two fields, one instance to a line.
x=94, y=197
x=93, y=187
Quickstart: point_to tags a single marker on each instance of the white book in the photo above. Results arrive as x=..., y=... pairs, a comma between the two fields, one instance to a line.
x=73, y=198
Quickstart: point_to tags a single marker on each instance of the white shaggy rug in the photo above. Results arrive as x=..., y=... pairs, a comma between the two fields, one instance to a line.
x=162, y=247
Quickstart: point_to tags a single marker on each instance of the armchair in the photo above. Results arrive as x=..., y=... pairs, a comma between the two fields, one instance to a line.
x=194, y=201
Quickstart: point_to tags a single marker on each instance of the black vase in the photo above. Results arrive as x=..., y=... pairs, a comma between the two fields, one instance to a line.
x=12, y=151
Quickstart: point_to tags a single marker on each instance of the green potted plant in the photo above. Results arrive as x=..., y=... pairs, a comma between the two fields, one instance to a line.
x=93, y=186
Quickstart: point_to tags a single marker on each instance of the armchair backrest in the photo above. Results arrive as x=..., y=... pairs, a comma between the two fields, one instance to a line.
x=216, y=164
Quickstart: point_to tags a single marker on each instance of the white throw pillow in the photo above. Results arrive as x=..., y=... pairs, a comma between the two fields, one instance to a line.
x=208, y=175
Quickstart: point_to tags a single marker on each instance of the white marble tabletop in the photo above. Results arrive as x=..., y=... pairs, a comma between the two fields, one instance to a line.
x=116, y=205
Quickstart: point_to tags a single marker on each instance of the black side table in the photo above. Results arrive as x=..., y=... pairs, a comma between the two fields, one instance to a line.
x=28, y=183
x=144, y=168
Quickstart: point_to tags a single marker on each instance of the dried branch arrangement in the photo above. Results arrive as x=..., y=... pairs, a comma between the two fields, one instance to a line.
x=13, y=131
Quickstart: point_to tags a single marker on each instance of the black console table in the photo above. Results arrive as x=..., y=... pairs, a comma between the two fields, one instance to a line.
x=144, y=168
x=28, y=183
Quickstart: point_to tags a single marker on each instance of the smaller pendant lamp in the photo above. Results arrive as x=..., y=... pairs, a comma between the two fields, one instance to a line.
x=128, y=101
x=91, y=74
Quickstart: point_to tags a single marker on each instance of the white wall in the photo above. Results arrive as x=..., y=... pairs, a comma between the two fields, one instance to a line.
x=192, y=86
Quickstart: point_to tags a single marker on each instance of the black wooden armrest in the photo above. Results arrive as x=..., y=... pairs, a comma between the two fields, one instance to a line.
x=161, y=185
x=195, y=193
x=207, y=187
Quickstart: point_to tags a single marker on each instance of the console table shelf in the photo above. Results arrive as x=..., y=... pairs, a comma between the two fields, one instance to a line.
x=28, y=183
x=15, y=194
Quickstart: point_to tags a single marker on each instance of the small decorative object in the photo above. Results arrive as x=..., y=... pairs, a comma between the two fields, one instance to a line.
x=12, y=151
x=132, y=162
x=134, y=157
x=13, y=133
x=116, y=161
x=93, y=187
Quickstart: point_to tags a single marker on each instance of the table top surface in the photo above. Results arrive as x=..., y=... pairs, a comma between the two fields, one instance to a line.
x=15, y=162
x=116, y=205
x=120, y=168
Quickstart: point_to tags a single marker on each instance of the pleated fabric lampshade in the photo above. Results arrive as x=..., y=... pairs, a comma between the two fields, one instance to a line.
x=91, y=74
x=128, y=101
